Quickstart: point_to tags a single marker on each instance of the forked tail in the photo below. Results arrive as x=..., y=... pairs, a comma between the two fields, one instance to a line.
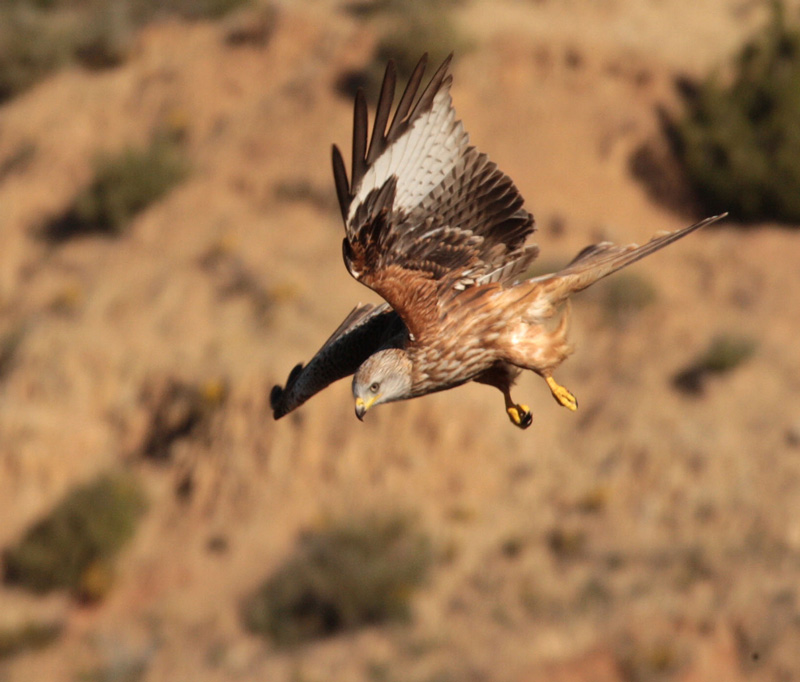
x=600, y=260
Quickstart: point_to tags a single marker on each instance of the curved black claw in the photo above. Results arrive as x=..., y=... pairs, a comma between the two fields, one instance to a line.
x=520, y=416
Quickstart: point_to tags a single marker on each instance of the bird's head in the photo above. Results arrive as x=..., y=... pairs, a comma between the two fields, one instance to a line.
x=382, y=378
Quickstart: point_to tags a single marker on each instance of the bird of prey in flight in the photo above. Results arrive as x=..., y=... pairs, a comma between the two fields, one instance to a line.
x=439, y=232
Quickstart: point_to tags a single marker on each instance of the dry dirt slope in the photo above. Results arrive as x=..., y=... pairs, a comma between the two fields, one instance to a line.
x=685, y=509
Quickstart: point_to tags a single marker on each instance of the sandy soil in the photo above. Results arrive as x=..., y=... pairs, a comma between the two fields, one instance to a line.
x=687, y=508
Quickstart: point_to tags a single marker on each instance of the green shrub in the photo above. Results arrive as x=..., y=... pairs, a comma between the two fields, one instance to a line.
x=739, y=140
x=10, y=343
x=32, y=44
x=38, y=37
x=408, y=30
x=121, y=668
x=626, y=294
x=414, y=31
x=254, y=27
x=73, y=547
x=124, y=185
x=27, y=637
x=144, y=11
x=106, y=36
x=354, y=573
x=725, y=353
x=206, y=9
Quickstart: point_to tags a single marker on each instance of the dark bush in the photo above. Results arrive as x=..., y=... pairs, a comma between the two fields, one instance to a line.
x=408, y=30
x=29, y=636
x=414, y=31
x=32, y=44
x=38, y=37
x=739, y=140
x=725, y=353
x=10, y=344
x=626, y=294
x=124, y=184
x=178, y=410
x=354, y=573
x=145, y=10
x=73, y=547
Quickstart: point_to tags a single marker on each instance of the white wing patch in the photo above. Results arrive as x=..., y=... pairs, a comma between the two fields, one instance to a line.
x=420, y=159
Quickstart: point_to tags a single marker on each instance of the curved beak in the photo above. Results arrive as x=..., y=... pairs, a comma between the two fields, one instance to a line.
x=362, y=407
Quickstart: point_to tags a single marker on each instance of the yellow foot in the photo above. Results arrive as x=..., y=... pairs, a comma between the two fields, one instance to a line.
x=562, y=395
x=520, y=415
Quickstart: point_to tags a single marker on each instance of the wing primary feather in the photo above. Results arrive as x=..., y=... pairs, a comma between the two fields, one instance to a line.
x=377, y=143
x=360, y=125
x=434, y=85
x=295, y=372
x=404, y=106
x=275, y=396
x=361, y=311
x=340, y=179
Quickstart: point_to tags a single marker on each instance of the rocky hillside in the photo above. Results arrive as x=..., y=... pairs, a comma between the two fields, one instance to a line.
x=653, y=535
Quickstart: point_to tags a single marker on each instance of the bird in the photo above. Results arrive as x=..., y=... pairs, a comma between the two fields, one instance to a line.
x=439, y=232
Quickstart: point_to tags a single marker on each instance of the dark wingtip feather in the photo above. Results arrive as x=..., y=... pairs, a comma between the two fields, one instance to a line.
x=440, y=78
x=340, y=180
x=277, y=393
x=377, y=143
x=275, y=396
x=360, y=124
x=294, y=374
x=407, y=98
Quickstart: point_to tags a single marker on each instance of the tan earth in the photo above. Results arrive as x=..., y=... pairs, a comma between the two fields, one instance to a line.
x=683, y=512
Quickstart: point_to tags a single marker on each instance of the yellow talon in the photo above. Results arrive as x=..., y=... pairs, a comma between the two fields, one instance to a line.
x=562, y=395
x=520, y=415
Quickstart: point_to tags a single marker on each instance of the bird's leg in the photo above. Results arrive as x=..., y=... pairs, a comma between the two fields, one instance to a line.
x=502, y=375
x=520, y=415
x=561, y=394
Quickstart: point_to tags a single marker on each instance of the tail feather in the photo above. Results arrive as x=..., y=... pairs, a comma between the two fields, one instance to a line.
x=600, y=260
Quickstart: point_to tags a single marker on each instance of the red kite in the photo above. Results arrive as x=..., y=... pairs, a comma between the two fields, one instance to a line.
x=439, y=232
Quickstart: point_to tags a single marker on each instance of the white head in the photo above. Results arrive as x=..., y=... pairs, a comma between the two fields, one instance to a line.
x=382, y=378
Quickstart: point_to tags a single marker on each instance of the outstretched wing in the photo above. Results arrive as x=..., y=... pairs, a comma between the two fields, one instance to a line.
x=365, y=330
x=423, y=210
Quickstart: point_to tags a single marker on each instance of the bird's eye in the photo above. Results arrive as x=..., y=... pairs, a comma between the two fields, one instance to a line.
x=374, y=387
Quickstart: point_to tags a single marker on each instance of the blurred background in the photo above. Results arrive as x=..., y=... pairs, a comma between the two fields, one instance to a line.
x=170, y=248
